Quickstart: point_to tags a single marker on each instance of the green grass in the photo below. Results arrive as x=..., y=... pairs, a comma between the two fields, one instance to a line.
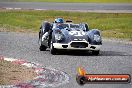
x=115, y=25
x=95, y=1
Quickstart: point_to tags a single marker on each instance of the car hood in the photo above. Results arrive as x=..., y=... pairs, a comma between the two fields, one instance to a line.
x=74, y=35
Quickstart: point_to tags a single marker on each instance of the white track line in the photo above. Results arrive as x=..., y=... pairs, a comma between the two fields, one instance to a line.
x=42, y=74
x=95, y=11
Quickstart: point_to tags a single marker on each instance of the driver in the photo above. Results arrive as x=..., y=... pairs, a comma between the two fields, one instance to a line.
x=57, y=22
x=59, y=25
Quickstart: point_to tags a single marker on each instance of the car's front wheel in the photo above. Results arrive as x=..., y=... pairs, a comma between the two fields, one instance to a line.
x=53, y=51
x=95, y=52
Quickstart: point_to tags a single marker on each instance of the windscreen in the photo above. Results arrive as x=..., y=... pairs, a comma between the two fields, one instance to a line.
x=62, y=26
x=74, y=26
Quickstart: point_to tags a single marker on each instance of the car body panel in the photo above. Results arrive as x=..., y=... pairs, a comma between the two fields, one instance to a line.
x=74, y=37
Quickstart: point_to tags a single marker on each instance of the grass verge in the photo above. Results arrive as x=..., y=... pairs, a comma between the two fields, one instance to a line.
x=12, y=73
x=79, y=1
x=116, y=25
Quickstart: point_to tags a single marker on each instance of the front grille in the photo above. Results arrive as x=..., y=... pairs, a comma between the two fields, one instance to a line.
x=79, y=44
x=64, y=46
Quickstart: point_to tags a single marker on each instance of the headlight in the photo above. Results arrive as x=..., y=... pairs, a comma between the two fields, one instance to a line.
x=58, y=36
x=97, y=38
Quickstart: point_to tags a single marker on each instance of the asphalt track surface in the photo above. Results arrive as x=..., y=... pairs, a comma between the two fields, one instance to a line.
x=115, y=58
x=86, y=7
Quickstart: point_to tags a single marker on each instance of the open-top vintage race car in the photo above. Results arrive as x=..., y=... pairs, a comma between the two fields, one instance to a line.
x=69, y=36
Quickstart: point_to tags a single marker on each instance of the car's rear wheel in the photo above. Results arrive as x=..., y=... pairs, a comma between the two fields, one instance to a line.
x=42, y=48
x=95, y=52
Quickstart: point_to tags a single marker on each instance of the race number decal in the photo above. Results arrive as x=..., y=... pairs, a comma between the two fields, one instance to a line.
x=77, y=33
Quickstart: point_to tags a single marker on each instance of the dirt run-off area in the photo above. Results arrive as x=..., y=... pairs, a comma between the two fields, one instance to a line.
x=11, y=74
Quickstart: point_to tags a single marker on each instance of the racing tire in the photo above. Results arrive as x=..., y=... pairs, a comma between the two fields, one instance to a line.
x=53, y=51
x=42, y=48
x=95, y=52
